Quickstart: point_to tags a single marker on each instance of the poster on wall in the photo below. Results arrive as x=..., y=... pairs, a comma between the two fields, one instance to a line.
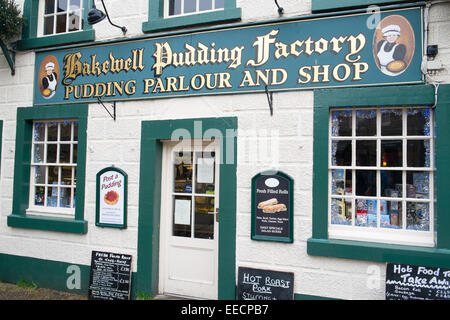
x=111, y=202
x=411, y=282
x=272, y=207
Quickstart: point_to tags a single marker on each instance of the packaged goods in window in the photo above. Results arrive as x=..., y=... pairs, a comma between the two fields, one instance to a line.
x=372, y=220
x=383, y=207
x=340, y=212
x=385, y=221
x=338, y=186
x=410, y=191
x=394, y=218
x=361, y=212
x=420, y=181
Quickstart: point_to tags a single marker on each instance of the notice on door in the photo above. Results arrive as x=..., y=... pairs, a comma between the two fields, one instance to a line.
x=272, y=207
x=111, y=198
x=182, y=211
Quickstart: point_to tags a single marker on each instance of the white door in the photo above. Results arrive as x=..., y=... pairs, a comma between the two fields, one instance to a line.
x=189, y=226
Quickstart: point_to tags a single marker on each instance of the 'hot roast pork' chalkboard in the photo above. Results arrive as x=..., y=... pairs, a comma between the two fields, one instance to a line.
x=110, y=277
x=257, y=284
x=410, y=282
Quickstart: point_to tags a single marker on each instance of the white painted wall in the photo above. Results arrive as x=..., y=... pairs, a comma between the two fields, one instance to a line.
x=292, y=123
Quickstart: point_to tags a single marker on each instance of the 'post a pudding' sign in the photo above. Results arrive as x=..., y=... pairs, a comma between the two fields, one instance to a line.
x=272, y=207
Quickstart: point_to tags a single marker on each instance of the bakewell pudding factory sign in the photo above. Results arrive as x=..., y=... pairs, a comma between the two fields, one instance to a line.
x=290, y=55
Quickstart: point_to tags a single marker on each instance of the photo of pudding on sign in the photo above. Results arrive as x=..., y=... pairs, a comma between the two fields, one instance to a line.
x=393, y=45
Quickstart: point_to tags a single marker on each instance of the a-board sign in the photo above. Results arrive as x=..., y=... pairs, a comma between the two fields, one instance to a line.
x=411, y=282
x=259, y=284
x=110, y=277
x=111, y=200
x=272, y=207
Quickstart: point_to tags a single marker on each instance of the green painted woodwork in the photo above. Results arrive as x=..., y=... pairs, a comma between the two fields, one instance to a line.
x=319, y=244
x=21, y=187
x=157, y=22
x=329, y=5
x=152, y=132
x=30, y=39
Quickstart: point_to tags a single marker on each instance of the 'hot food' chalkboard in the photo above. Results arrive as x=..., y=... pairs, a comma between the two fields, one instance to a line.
x=258, y=284
x=409, y=282
x=272, y=207
x=110, y=277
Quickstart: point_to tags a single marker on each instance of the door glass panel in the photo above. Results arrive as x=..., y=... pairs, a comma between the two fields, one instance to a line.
x=182, y=216
x=205, y=171
x=183, y=172
x=204, y=217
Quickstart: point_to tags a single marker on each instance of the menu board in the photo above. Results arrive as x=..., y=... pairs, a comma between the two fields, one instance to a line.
x=410, y=282
x=110, y=277
x=272, y=207
x=111, y=210
x=258, y=284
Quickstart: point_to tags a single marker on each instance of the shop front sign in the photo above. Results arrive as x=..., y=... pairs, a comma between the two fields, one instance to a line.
x=295, y=54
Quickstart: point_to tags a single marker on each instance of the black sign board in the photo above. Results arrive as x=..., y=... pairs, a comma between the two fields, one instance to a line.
x=410, y=282
x=258, y=284
x=272, y=207
x=110, y=277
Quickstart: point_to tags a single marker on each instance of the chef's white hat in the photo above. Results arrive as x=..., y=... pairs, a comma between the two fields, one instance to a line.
x=50, y=66
x=391, y=30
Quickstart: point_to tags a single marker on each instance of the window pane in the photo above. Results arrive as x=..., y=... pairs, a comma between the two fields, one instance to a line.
x=183, y=172
x=205, y=5
x=341, y=123
x=366, y=123
x=74, y=196
x=75, y=4
x=75, y=153
x=52, y=131
x=391, y=153
x=341, y=182
x=190, y=6
x=220, y=4
x=391, y=214
x=66, y=131
x=64, y=153
x=341, y=211
x=418, y=184
x=174, y=7
x=39, y=196
x=62, y=5
x=38, y=153
x=49, y=6
x=391, y=122
x=53, y=173
x=75, y=131
x=418, y=153
x=74, y=21
x=391, y=183
x=366, y=153
x=39, y=131
x=341, y=152
x=417, y=216
x=205, y=173
x=66, y=175
x=419, y=122
x=39, y=174
x=182, y=216
x=366, y=183
x=52, y=197
x=64, y=198
x=61, y=23
x=51, y=153
x=48, y=25
x=204, y=218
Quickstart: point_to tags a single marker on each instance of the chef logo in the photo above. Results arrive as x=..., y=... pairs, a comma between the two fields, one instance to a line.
x=48, y=77
x=393, y=45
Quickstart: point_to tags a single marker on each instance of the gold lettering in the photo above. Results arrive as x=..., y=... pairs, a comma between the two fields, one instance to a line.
x=72, y=67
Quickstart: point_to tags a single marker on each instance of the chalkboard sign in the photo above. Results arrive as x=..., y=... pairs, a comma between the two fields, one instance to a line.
x=272, y=207
x=410, y=282
x=110, y=277
x=258, y=284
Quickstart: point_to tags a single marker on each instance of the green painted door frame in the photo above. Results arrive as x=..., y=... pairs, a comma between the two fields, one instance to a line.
x=152, y=134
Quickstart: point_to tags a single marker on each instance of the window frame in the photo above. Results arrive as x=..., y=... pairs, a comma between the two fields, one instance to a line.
x=320, y=244
x=318, y=6
x=32, y=40
x=42, y=15
x=19, y=217
x=158, y=20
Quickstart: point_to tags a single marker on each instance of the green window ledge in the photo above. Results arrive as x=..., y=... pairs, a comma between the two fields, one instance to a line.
x=319, y=244
x=21, y=185
x=30, y=40
x=157, y=21
x=329, y=5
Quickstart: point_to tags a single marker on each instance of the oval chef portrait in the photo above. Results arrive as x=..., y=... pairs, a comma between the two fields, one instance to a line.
x=393, y=45
x=48, y=77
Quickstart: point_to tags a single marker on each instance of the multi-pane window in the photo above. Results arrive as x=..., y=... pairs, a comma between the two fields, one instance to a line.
x=54, y=165
x=61, y=16
x=181, y=7
x=381, y=181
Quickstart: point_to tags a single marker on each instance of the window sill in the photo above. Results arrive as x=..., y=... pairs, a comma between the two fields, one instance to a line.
x=378, y=252
x=56, y=40
x=48, y=223
x=220, y=16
